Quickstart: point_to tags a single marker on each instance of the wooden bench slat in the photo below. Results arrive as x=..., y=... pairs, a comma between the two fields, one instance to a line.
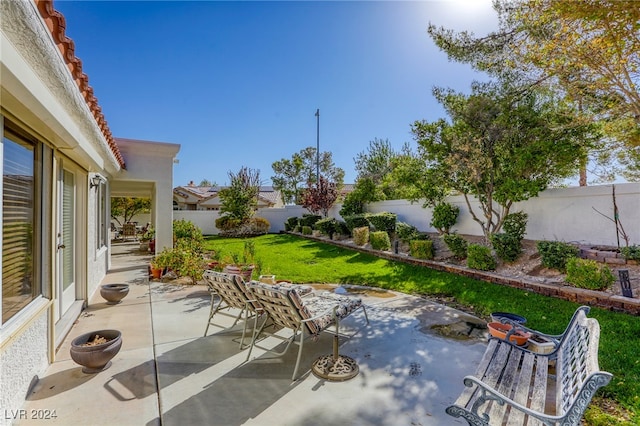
x=467, y=393
x=521, y=394
x=507, y=382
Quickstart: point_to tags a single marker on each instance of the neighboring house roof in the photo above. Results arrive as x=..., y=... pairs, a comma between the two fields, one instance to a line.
x=208, y=195
x=57, y=25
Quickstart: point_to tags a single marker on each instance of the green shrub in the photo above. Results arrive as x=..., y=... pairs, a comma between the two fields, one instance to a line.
x=587, y=273
x=479, y=257
x=361, y=235
x=259, y=225
x=327, y=226
x=507, y=246
x=291, y=223
x=515, y=224
x=356, y=221
x=309, y=219
x=383, y=221
x=342, y=228
x=421, y=249
x=406, y=232
x=380, y=240
x=306, y=230
x=227, y=223
x=188, y=231
x=554, y=254
x=457, y=245
x=444, y=217
x=631, y=252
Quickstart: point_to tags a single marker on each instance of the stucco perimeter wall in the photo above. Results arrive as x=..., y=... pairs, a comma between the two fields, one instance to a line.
x=562, y=214
x=23, y=357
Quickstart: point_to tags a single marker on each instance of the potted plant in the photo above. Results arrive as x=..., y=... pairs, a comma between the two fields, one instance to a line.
x=160, y=262
x=242, y=264
x=146, y=238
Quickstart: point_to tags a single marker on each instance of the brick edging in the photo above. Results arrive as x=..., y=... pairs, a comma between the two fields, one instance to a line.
x=562, y=291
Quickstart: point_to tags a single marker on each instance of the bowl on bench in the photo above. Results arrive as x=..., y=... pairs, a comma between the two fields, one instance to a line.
x=500, y=330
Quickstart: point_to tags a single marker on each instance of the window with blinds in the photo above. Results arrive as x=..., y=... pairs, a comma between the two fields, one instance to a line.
x=18, y=222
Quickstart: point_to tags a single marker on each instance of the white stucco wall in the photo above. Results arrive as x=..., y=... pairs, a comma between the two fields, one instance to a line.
x=562, y=214
x=25, y=358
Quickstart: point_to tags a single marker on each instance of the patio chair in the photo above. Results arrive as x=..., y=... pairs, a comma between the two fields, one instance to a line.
x=305, y=315
x=228, y=291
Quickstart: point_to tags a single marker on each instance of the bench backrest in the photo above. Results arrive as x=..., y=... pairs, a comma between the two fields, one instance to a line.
x=577, y=362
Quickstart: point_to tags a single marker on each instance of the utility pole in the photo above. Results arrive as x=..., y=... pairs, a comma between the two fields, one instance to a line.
x=318, y=147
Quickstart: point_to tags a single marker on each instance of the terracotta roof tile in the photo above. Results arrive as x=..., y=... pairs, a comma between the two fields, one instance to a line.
x=57, y=26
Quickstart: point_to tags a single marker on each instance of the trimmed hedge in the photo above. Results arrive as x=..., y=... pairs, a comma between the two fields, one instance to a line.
x=421, y=249
x=380, y=240
x=361, y=235
x=406, y=232
x=555, y=254
x=479, y=257
x=291, y=223
x=589, y=274
x=309, y=219
x=457, y=245
x=356, y=221
x=383, y=221
x=327, y=226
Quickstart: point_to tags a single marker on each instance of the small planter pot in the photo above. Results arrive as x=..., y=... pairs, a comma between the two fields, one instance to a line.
x=156, y=273
x=114, y=293
x=97, y=357
x=500, y=330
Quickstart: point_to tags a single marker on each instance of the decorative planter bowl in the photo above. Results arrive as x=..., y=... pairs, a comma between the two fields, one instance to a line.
x=497, y=316
x=114, y=293
x=500, y=330
x=244, y=271
x=96, y=358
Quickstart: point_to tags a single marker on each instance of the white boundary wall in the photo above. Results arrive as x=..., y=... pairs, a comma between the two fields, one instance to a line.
x=561, y=214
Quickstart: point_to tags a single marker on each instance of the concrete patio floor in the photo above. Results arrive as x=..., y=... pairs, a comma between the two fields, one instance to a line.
x=167, y=373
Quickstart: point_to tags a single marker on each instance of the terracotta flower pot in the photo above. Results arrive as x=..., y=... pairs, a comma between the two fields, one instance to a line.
x=156, y=273
x=114, y=293
x=244, y=271
x=95, y=358
x=500, y=330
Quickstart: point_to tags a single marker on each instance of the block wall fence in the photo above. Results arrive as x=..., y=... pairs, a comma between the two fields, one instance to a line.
x=580, y=215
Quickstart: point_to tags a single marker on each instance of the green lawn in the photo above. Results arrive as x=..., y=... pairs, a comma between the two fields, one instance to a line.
x=305, y=261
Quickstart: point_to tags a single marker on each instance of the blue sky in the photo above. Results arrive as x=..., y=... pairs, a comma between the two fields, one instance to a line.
x=238, y=83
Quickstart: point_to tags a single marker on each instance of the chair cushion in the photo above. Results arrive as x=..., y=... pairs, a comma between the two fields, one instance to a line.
x=311, y=305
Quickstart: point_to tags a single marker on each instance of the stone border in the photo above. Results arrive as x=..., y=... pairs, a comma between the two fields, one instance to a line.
x=562, y=291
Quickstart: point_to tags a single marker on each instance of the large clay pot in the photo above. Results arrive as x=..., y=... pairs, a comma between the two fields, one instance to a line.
x=98, y=357
x=244, y=271
x=114, y=293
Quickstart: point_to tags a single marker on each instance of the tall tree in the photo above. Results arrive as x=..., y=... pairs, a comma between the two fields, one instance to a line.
x=240, y=198
x=127, y=207
x=320, y=196
x=499, y=148
x=291, y=175
x=587, y=50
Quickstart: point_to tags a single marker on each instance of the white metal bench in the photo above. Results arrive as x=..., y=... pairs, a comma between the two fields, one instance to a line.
x=515, y=386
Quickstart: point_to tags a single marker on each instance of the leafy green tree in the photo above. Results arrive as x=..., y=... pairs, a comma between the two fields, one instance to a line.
x=240, y=198
x=589, y=51
x=206, y=182
x=500, y=148
x=127, y=207
x=293, y=175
